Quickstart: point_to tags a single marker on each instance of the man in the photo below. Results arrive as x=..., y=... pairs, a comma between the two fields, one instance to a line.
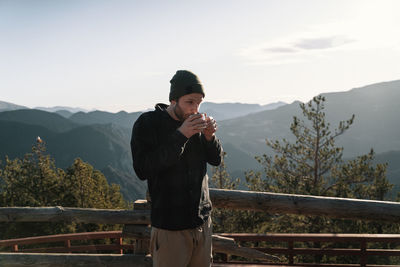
x=171, y=147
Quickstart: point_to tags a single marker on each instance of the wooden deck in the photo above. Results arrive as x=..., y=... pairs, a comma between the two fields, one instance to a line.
x=258, y=265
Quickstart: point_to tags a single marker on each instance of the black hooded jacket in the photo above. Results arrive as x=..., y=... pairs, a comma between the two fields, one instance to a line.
x=175, y=168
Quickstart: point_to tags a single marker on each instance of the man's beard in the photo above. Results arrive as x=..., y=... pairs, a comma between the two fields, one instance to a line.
x=179, y=113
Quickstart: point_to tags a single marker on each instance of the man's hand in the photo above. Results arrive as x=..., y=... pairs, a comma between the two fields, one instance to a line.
x=192, y=125
x=209, y=131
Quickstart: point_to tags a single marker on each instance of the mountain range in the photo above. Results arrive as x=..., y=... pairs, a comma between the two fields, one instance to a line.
x=102, y=138
x=6, y=106
x=376, y=126
x=98, y=137
x=224, y=111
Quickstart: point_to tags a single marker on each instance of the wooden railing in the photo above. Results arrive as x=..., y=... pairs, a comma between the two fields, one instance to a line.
x=70, y=243
x=345, y=208
x=230, y=199
x=360, y=243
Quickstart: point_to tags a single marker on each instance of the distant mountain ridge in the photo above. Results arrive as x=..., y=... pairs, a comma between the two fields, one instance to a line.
x=224, y=111
x=6, y=106
x=220, y=111
x=102, y=138
x=52, y=121
x=376, y=108
x=121, y=118
x=103, y=146
x=62, y=108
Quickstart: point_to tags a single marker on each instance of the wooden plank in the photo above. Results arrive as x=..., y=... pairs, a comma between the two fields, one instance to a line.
x=86, y=248
x=56, y=214
x=228, y=246
x=312, y=251
x=306, y=205
x=332, y=251
x=231, y=199
x=73, y=260
x=383, y=252
x=252, y=264
x=311, y=237
x=61, y=238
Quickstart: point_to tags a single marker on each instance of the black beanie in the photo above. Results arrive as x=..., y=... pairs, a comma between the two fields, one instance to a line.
x=183, y=83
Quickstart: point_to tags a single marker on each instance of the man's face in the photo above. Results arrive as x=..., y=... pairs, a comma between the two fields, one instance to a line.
x=187, y=105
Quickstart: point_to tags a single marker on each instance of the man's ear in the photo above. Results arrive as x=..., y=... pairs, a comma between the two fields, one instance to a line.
x=173, y=102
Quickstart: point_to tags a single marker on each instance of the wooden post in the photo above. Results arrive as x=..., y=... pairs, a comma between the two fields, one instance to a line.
x=225, y=258
x=291, y=251
x=363, y=256
x=15, y=248
x=141, y=232
x=119, y=242
x=67, y=244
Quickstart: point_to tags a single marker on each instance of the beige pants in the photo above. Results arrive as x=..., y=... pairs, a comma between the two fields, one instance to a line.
x=182, y=248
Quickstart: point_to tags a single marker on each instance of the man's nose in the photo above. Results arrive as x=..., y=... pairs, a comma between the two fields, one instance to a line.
x=195, y=109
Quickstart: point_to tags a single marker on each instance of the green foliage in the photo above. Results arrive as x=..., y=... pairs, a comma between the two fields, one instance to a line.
x=223, y=220
x=221, y=178
x=231, y=221
x=313, y=165
x=87, y=188
x=35, y=181
x=304, y=167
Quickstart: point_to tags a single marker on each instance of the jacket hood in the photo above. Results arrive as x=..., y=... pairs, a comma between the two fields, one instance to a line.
x=161, y=109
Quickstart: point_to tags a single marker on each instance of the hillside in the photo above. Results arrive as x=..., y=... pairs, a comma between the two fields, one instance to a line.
x=103, y=146
x=49, y=120
x=376, y=123
x=17, y=138
x=121, y=118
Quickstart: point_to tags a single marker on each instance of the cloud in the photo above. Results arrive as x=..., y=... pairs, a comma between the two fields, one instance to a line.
x=322, y=42
x=280, y=50
x=370, y=27
x=294, y=48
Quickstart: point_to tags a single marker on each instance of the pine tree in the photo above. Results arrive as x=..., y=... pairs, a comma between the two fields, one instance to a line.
x=313, y=165
x=35, y=181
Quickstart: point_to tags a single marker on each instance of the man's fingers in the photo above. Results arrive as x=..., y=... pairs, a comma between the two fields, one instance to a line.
x=214, y=124
x=194, y=117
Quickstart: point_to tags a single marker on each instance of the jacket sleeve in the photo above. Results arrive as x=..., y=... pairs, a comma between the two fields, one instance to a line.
x=214, y=151
x=149, y=156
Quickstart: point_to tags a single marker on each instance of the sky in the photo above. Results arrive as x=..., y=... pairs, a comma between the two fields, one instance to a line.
x=120, y=55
